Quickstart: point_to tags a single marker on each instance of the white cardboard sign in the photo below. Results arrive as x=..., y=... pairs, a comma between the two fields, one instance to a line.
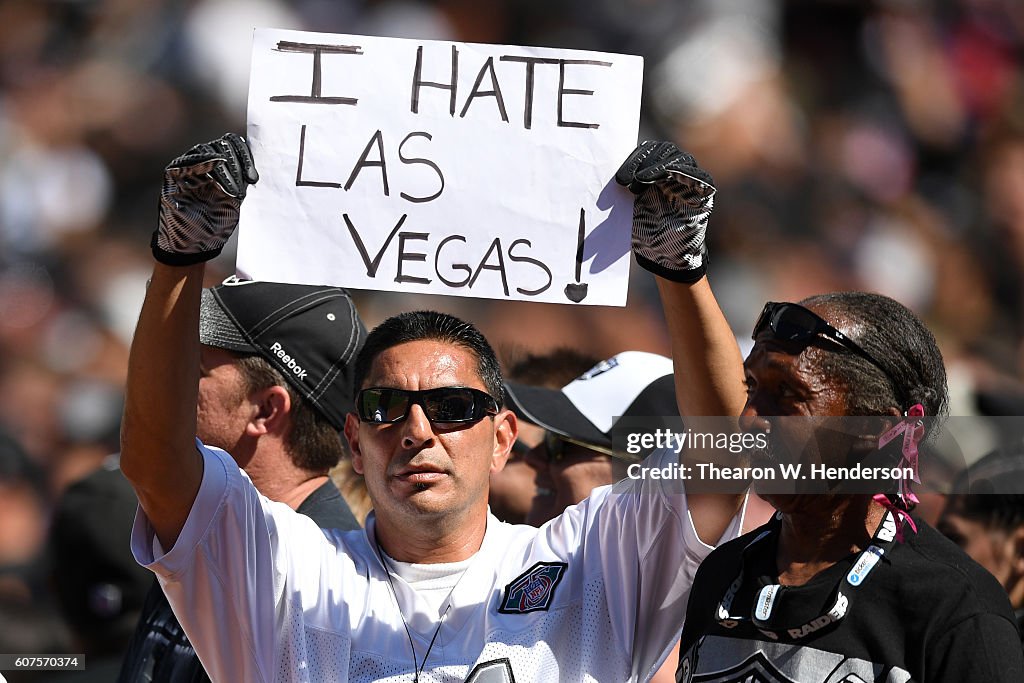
x=438, y=167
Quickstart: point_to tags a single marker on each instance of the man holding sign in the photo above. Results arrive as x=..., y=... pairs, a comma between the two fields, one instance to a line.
x=434, y=588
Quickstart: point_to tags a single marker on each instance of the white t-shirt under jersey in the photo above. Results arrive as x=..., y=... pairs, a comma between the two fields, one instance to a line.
x=596, y=594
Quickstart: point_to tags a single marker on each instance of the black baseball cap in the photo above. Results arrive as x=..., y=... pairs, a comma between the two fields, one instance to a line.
x=310, y=333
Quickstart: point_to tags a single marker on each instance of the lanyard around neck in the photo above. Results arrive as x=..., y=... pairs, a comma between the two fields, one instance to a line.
x=841, y=601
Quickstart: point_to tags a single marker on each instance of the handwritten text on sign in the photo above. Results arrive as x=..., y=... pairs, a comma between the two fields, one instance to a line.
x=443, y=168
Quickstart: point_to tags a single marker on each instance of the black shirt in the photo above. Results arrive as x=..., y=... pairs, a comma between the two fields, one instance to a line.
x=926, y=612
x=160, y=652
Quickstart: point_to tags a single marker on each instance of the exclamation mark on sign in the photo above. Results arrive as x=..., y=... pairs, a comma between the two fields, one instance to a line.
x=577, y=291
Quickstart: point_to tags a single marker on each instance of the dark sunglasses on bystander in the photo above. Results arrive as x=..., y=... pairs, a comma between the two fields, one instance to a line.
x=555, y=446
x=449, y=405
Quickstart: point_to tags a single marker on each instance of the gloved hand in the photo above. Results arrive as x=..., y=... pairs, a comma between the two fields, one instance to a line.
x=670, y=216
x=203, y=190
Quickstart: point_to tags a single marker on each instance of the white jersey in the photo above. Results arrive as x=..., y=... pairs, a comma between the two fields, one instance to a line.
x=596, y=594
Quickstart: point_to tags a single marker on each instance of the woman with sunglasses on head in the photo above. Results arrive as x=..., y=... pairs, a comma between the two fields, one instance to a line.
x=839, y=585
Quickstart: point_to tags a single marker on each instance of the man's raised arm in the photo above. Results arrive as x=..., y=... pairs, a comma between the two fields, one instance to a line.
x=199, y=202
x=670, y=217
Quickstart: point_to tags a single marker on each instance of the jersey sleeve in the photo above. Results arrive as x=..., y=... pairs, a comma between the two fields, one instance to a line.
x=639, y=537
x=228, y=577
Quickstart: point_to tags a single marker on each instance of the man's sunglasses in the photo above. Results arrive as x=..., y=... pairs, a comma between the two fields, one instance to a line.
x=450, y=405
x=793, y=323
x=555, y=445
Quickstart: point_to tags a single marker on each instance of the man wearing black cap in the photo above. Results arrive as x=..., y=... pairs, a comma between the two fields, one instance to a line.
x=273, y=391
x=597, y=594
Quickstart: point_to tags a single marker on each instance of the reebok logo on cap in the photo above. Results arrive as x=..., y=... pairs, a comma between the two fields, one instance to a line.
x=309, y=333
x=289, y=362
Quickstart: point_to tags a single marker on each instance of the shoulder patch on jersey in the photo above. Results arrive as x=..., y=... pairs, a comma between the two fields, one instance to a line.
x=534, y=589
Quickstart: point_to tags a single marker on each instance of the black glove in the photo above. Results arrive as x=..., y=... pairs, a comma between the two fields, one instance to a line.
x=203, y=190
x=670, y=216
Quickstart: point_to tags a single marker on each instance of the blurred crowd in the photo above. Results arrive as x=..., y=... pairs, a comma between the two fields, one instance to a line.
x=856, y=145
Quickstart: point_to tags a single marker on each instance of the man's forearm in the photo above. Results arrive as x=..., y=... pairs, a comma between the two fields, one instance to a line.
x=158, y=454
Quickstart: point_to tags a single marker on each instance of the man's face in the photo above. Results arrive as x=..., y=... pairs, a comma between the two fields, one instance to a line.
x=222, y=412
x=417, y=468
x=993, y=549
x=567, y=480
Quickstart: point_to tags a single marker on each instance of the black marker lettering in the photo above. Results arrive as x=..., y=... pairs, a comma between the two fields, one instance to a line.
x=363, y=161
x=562, y=91
x=530, y=63
x=418, y=82
x=416, y=160
x=317, y=50
x=577, y=291
x=527, y=259
x=403, y=255
x=495, y=248
x=495, y=92
x=580, y=237
x=455, y=266
x=299, y=182
x=371, y=266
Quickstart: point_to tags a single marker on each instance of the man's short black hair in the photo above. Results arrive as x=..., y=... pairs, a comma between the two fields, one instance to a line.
x=553, y=369
x=442, y=327
x=1004, y=511
x=899, y=341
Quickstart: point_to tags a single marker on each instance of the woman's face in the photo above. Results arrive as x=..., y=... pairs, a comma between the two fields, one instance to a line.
x=787, y=382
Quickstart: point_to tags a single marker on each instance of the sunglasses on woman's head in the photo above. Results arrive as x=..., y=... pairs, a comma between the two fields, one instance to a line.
x=793, y=323
x=450, y=405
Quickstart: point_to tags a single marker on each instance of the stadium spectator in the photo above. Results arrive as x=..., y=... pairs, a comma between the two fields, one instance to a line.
x=985, y=517
x=837, y=582
x=97, y=582
x=252, y=403
x=521, y=484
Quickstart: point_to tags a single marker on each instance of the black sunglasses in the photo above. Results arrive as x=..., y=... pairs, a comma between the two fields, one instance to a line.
x=794, y=323
x=554, y=445
x=453, y=405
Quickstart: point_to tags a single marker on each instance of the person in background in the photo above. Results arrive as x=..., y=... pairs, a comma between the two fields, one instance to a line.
x=258, y=339
x=353, y=489
x=99, y=586
x=30, y=618
x=985, y=517
x=520, y=486
x=576, y=452
x=24, y=508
